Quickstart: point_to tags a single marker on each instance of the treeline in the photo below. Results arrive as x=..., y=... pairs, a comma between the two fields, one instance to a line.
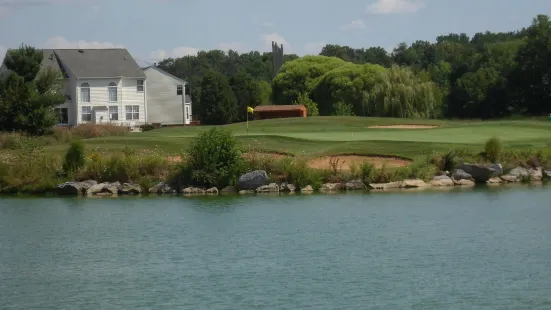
x=487, y=75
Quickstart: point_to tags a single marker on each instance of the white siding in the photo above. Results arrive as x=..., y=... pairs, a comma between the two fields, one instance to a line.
x=127, y=94
x=163, y=104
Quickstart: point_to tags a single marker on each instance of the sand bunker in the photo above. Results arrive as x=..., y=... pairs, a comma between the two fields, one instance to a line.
x=405, y=126
x=344, y=161
x=248, y=156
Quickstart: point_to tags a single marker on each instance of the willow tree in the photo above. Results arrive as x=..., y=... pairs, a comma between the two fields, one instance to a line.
x=301, y=76
x=401, y=93
x=345, y=85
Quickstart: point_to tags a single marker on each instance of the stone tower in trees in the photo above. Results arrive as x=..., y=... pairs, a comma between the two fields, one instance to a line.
x=277, y=58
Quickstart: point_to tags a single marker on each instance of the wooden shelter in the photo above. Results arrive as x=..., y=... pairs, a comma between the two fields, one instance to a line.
x=279, y=111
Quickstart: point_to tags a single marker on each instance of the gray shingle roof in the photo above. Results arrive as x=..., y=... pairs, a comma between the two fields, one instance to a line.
x=99, y=63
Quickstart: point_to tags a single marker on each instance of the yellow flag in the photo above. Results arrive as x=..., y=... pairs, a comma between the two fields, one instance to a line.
x=250, y=110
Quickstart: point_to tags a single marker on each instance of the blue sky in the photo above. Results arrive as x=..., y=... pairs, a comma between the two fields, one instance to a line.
x=154, y=29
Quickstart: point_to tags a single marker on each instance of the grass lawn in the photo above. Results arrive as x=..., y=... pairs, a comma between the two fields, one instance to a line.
x=318, y=136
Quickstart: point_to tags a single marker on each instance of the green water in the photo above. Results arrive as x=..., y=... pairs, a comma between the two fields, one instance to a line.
x=487, y=249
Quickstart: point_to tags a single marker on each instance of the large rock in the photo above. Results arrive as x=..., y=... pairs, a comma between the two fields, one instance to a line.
x=193, y=191
x=391, y=185
x=355, y=185
x=331, y=187
x=414, y=183
x=270, y=188
x=253, y=180
x=494, y=180
x=130, y=189
x=162, y=188
x=441, y=180
x=212, y=191
x=287, y=187
x=69, y=188
x=229, y=189
x=547, y=174
x=459, y=174
x=104, y=189
x=520, y=173
x=481, y=173
x=307, y=189
x=463, y=182
x=510, y=178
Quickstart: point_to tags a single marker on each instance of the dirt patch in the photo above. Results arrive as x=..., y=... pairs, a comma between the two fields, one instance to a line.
x=405, y=126
x=248, y=156
x=344, y=161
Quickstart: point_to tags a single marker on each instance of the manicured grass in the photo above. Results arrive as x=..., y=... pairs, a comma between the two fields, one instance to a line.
x=343, y=135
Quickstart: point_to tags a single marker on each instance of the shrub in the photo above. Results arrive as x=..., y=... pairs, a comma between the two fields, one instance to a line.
x=87, y=131
x=75, y=157
x=343, y=109
x=301, y=175
x=215, y=158
x=493, y=149
x=147, y=127
x=368, y=172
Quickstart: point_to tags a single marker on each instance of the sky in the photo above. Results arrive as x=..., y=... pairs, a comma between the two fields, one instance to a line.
x=155, y=29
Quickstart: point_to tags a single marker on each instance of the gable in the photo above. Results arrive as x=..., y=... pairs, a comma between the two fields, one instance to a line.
x=99, y=63
x=166, y=74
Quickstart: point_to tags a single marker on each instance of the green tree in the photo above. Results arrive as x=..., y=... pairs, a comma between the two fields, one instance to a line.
x=218, y=103
x=28, y=93
x=343, y=109
x=311, y=106
x=247, y=92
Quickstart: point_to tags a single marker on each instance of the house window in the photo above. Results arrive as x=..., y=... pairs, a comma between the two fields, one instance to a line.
x=132, y=112
x=114, y=113
x=139, y=86
x=179, y=90
x=86, y=114
x=62, y=115
x=112, y=92
x=85, y=92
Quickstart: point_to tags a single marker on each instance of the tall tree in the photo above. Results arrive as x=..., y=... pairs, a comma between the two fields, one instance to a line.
x=218, y=103
x=247, y=92
x=29, y=93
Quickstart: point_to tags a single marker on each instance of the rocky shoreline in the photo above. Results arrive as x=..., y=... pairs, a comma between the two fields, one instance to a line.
x=258, y=182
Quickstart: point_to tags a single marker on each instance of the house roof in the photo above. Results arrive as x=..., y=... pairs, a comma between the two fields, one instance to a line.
x=99, y=63
x=270, y=108
x=165, y=73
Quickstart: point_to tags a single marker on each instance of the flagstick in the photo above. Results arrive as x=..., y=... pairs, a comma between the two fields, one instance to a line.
x=247, y=111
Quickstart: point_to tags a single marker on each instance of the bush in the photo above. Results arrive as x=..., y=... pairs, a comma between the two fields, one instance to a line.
x=368, y=172
x=75, y=157
x=493, y=149
x=301, y=175
x=215, y=158
x=147, y=127
x=343, y=109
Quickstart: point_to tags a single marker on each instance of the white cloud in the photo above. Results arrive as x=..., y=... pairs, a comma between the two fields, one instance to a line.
x=182, y=51
x=61, y=42
x=394, y=6
x=355, y=24
x=312, y=48
x=158, y=55
x=234, y=46
x=268, y=38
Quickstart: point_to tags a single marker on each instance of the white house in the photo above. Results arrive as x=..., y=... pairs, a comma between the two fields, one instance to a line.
x=167, y=102
x=107, y=86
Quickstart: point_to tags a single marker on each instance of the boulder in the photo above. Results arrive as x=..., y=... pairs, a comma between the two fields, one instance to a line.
x=212, y=191
x=464, y=182
x=253, y=180
x=229, y=189
x=355, y=185
x=162, y=188
x=533, y=174
x=286, y=187
x=104, y=189
x=459, y=174
x=494, y=180
x=307, y=189
x=510, y=178
x=69, y=188
x=330, y=187
x=246, y=192
x=112, y=188
x=481, y=173
x=193, y=191
x=270, y=188
x=441, y=180
x=391, y=185
x=414, y=183
x=547, y=174
x=130, y=189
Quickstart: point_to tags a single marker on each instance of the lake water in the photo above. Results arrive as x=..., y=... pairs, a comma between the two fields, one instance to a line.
x=474, y=249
